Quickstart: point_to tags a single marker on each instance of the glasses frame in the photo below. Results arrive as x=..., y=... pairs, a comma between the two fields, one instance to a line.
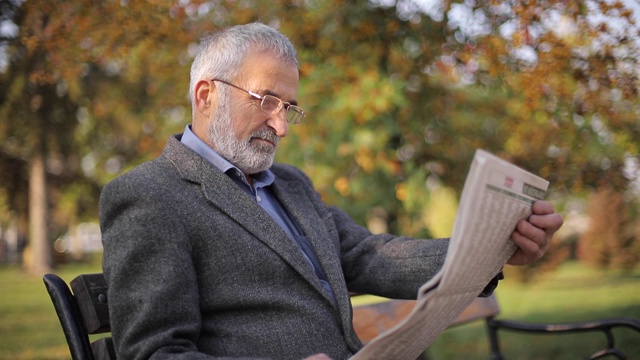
x=297, y=111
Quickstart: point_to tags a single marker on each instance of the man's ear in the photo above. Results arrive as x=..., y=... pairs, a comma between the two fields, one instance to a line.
x=205, y=96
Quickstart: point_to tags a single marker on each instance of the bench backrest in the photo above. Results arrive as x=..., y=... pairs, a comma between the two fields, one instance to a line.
x=83, y=312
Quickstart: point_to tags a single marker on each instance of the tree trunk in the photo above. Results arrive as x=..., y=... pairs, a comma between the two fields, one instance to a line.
x=40, y=249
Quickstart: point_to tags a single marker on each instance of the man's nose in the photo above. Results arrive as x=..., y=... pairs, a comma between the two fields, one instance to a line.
x=278, y=122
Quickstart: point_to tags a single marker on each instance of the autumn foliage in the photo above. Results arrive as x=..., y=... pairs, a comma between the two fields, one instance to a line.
x=398, y=97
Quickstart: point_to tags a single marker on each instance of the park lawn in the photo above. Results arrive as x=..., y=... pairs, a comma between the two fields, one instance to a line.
x=572, y=293
x=29, y=328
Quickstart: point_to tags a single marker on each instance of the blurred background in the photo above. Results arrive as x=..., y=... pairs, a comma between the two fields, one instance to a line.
x=399, y=95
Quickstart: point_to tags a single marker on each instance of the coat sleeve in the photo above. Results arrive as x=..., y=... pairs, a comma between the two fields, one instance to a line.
x=380, y=264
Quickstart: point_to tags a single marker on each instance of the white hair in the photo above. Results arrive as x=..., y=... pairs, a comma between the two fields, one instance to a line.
x=221, y=54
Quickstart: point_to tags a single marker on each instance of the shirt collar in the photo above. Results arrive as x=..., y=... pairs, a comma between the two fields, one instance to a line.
x=190, y=140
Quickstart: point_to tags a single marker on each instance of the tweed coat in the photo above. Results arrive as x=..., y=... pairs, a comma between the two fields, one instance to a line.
x=198, y=270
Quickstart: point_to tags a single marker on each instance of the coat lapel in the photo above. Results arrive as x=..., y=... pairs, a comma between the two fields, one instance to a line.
x=229, y=199
x=295, y=200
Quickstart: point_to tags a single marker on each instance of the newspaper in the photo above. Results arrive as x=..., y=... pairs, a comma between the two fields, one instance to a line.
x=496, y=195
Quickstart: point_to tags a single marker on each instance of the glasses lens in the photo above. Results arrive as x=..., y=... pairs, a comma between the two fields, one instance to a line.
x=271, y=104
x=295, y=114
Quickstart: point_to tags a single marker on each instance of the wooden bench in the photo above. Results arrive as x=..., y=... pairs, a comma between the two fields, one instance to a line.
x=372, y=318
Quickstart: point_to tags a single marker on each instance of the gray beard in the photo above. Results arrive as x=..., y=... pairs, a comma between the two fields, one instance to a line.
x=250, y=158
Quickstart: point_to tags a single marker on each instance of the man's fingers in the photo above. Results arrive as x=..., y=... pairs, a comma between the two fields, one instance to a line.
x=542, y=207
x=549, y=223
x=532, y=233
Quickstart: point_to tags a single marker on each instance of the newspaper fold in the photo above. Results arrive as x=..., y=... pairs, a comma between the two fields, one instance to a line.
x=496, y=195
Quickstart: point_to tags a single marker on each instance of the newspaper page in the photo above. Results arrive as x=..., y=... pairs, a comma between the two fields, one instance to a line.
x=496, y=195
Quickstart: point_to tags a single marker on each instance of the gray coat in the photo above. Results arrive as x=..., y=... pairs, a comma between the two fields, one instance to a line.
x=197, y=270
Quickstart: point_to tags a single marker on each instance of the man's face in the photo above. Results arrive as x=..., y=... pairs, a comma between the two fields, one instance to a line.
x=240, y=131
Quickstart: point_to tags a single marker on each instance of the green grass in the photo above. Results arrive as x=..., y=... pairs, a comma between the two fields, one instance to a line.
x=29, y=328
x=573, y=293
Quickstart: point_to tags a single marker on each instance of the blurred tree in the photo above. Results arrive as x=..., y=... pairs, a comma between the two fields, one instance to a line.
x=399, y=95
x=611, y=240
x=573, y=68
x=80, y=99
x=569, y=75
x=551, y=86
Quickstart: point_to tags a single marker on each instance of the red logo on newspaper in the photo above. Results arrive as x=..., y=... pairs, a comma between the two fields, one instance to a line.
x=508, y=181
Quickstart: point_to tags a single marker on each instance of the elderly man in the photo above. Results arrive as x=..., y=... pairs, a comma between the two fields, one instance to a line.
x=212, y=251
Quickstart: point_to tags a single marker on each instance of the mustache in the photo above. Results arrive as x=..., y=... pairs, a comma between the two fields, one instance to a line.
x=266, y=134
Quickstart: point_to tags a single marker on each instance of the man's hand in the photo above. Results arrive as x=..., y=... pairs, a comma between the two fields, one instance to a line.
x=533, y=235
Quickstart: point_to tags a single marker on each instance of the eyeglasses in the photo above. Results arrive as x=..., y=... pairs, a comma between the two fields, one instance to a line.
x=272, y=105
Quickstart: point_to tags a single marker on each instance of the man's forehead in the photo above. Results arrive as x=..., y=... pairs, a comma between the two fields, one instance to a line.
x=269, y=76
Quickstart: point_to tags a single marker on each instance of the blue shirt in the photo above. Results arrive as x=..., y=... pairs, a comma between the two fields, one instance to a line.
x=263, y=195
